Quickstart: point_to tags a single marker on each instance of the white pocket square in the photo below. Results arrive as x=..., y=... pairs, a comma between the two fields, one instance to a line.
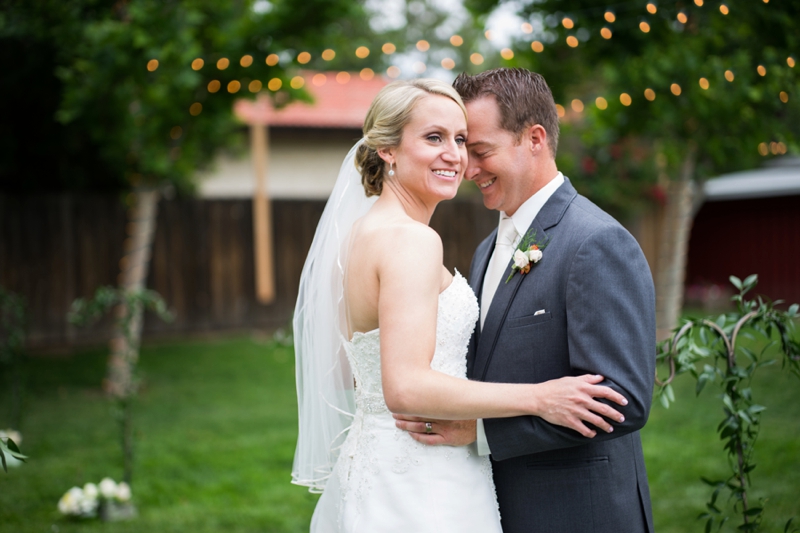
x=539, y=312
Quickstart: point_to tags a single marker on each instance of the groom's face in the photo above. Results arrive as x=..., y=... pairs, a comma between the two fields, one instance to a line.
x=497, y=161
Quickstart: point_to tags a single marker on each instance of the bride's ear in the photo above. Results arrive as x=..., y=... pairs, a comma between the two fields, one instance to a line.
x=387, y=154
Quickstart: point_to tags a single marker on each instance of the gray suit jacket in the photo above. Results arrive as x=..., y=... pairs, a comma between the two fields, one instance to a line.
x=597, y=293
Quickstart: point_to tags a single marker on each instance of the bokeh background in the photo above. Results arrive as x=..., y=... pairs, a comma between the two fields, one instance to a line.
x=184, y=150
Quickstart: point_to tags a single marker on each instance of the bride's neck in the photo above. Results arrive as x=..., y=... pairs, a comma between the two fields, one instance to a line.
x=414, y=206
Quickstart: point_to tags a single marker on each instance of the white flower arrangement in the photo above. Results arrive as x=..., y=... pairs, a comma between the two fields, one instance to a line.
x=86, y=502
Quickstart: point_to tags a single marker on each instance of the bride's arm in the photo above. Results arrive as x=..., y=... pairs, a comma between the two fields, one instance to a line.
x=409, y=274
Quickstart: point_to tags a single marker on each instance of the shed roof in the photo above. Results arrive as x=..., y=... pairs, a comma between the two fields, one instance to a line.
x=781, y=177
x=341, y=100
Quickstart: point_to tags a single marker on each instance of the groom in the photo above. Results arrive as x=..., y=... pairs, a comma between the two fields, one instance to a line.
x=587, y=306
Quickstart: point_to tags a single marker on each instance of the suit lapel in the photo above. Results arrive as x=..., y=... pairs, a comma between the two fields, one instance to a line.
x=481, y=263
x=550, y=215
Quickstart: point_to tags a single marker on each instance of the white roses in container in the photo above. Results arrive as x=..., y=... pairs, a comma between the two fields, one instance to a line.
x=86, y=502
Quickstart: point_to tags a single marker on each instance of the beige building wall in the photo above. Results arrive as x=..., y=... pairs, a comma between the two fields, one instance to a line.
x=302, y=164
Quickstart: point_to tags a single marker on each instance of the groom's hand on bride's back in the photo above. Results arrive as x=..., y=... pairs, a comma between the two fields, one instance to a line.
x=442, y=432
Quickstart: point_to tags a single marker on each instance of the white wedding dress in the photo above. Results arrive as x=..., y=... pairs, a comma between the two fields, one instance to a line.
x=384, y=481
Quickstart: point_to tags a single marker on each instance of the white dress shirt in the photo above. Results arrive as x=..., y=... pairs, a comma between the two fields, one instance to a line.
x=522, y=218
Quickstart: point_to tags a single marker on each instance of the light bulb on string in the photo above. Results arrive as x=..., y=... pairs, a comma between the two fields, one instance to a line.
x=762, y=149
x=572, y=41
x=724, y=9
x=343, y=77
x=568, y=23
x=456, y=40
x=246, y=60
x=507, y=53
x=388, y=48
x=234, y=86
x=682, y=18
x=729, y=75
x=303, y=58
x=476, y=59
x=272, y=60
x=152, y=65
x=790, y=61
x=576, y=105
x=275, y=84
x=319, y=79
x=448, y=63
x=423, y=45
x=393, y=71
x=784, y=96
x=366, y=74
x=362, y=52
x=254, y=86
x=214, y=86
x=762, y=70
x=560, y=110
x=625, y=99
x=675, y=89
x=537, y=47
x=605, y=32
x=703, y=83
x=651, y=8
x=644, y=26
x=698, y=3
x=609, y=16
x=649, y=94
x=527, y=27
x=601, y=103
x=197, y=64
x=328, y=54
x=223, y=63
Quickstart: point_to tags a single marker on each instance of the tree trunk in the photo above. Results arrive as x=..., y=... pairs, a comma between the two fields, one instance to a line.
x=120, y=382
x=673, y=247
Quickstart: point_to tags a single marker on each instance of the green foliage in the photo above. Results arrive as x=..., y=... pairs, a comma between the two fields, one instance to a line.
x=8, y=447
x=708, y=351
x=718, y=128
x=126, y=80
x=85, y=311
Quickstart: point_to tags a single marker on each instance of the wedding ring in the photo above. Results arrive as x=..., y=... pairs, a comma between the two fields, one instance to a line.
x=428, y=427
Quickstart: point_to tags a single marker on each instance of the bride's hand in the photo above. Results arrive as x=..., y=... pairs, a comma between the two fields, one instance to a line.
x=571, y=401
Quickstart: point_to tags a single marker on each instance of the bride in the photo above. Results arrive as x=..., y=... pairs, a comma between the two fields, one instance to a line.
x=382, y=327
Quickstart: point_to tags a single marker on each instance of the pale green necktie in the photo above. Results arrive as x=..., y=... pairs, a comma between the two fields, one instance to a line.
x=503, y=250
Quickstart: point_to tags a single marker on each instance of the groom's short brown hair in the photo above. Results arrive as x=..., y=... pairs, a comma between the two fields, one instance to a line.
x=523, y=97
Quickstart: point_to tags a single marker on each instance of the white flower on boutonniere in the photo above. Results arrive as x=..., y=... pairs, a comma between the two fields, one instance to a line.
x=520, y=259
x=528, y=252
x=535, y=254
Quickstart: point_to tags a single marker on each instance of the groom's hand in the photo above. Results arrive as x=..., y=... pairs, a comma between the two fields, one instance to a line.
x=442, y=432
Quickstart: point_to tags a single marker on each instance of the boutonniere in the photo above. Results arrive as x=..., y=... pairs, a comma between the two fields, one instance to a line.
x=528, y=252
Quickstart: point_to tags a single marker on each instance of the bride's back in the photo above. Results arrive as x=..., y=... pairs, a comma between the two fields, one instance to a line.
x=385, y=233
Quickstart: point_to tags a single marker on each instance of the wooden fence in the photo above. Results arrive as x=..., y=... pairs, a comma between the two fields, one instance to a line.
x=54, y=249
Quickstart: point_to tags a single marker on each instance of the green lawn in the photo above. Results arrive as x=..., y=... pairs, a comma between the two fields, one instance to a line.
x=216, y=428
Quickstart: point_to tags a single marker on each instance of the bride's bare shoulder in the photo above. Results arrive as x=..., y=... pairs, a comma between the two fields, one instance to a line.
x=396, y=234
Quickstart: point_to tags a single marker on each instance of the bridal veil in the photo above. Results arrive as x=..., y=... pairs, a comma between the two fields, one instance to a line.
x=324, y=379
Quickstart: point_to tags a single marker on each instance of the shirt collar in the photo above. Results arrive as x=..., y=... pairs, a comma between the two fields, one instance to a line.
x=523, y=217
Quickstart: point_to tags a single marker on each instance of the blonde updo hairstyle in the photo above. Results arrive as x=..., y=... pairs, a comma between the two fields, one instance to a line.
x=389, y=113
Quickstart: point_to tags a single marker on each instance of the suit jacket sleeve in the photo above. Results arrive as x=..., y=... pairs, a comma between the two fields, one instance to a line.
x=611, y=331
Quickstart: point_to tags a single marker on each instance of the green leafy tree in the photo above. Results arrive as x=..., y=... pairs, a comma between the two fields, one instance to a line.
x=149, y=86
x=689, y=90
